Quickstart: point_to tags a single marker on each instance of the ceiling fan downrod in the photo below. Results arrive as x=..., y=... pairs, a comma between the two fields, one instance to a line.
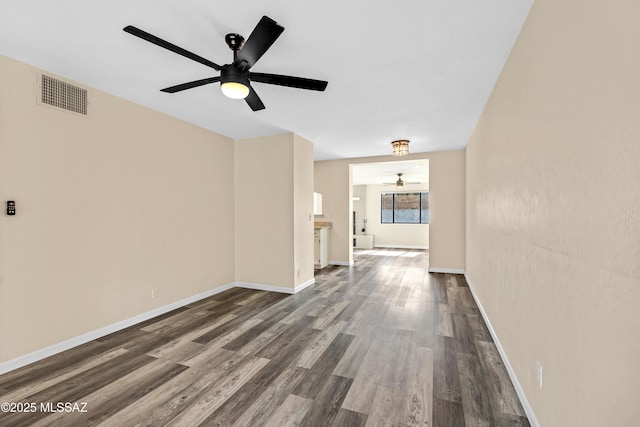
x=235, y=43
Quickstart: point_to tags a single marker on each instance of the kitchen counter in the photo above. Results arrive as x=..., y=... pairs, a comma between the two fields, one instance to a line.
x=322, y=224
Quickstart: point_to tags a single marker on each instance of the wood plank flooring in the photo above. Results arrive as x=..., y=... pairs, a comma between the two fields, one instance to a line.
x=381, y=343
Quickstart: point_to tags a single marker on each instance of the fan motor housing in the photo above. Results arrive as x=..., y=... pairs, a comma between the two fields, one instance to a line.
x=229, y=73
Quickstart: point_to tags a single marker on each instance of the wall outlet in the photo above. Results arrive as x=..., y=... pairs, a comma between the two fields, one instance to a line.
x=154, y=293
x=539, y=373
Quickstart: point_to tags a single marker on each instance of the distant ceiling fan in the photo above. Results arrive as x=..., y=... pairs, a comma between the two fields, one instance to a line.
x=235, y=78
x=400, y=183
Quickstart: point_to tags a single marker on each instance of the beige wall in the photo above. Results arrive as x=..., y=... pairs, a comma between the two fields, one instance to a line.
x=553, y=196
x=108, y=208
x=274, y=210
x=447, y=210
x=303, y=210
x=332, y=180
x=396, y=235
x=447, y=186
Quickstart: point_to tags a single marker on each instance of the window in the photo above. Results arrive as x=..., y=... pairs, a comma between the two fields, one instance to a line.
x=404, y=208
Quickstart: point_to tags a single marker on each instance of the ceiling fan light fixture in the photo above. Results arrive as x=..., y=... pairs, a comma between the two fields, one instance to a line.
x=235, y=77
x=234, y=82
x=234, y=90
x=400, y=147
x=399, y=182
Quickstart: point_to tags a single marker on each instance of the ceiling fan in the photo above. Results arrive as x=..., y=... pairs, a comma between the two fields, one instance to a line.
x=400, y=183
x=235, y=78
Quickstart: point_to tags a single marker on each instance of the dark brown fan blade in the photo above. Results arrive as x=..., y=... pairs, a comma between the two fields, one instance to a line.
x=169, y=46
x=266, y=32
x=290, y=81
x=254, y=100
x=189, y=85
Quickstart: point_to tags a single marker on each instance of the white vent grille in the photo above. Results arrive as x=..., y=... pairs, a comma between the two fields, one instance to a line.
x=63, y=95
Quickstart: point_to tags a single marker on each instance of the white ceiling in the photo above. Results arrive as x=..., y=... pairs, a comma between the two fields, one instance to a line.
x=419, y=70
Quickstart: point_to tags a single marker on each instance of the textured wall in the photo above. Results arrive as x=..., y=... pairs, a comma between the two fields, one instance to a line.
x=264, y=210
x=109, y=207
x=302, y=210
x=274, y=210
x=553, y=203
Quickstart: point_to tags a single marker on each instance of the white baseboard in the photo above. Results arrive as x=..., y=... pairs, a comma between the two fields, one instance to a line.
x=21, y=361
x=401, y=247
x=503, y=355
x=272, y=288
x=446, y=270
x=305, y=285
x=342, y=263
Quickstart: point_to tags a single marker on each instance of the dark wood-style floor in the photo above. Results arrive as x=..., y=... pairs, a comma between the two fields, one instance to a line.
x=381, y=343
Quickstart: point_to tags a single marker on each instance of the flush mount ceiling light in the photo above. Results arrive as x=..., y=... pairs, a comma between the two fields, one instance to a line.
x=400, y=147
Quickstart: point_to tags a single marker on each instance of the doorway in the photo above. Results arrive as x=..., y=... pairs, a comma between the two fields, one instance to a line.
x=390, y=205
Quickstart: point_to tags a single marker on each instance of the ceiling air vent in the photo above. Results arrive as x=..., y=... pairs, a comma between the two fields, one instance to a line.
x=60, y=94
